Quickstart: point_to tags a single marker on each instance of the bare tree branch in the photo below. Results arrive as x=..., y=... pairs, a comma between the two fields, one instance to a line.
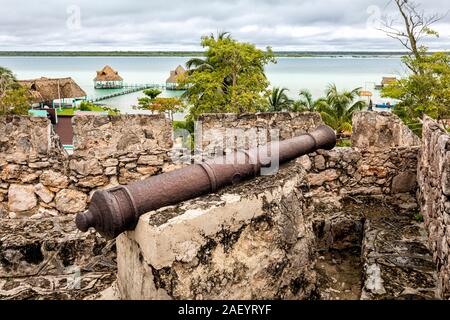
x=416, y=26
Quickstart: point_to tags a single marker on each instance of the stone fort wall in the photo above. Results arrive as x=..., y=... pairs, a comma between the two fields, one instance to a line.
x=42, y=188
x=434, y=197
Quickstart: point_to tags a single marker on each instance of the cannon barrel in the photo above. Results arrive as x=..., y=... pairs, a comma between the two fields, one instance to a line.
x=116, y=210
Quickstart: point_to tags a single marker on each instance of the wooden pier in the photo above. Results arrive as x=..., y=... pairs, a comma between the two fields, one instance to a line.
x=130, y=88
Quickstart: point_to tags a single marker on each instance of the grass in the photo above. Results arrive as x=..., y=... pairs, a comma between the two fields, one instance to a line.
x=343, y=143
x=93, y=108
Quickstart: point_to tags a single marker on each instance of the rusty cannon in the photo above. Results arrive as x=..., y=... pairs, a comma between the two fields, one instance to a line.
x=114, y=211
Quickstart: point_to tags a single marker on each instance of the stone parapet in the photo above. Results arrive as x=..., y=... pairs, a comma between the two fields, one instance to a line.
x=434, y=196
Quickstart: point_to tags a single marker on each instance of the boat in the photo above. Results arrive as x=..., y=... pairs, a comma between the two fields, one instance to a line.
x=384, y=106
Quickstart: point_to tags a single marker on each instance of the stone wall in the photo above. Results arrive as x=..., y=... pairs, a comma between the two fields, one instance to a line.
x=389, y=175
x=258, y=239
x=381, y=130
x=373, y=167
x=221, y=132
x=38, y=177
x=434, y=197
x=42, y=188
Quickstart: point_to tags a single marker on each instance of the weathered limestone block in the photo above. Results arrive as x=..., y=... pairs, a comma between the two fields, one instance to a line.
x=43, y=193
x=86, y=167
x=381, y=130
x=54, y=179
x=70, y=201
x=247, y=241
x=27, y=177
x=150, y=160
x=322, y=177
x=111, y=171
x=10, y=172
x=404, y=182
x=39, y=165
x=93, y=182
x=21, y=198
x=110, y=162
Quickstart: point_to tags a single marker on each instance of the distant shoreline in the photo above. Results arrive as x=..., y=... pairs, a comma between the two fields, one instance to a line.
x=280, y=54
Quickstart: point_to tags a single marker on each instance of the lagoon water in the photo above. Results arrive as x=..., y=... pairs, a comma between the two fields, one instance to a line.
x=313, y=73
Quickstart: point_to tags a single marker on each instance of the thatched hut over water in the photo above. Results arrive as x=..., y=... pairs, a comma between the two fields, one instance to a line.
x=388, y=80
x=108, y=78
x=46, y=91
x=176, y=76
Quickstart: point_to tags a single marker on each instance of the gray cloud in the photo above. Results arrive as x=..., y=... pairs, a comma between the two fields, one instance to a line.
x=178, y=25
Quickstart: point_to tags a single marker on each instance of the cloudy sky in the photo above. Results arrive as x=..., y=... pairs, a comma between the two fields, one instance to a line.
x=309, y=25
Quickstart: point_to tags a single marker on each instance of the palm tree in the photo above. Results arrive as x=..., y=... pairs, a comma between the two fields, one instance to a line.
x=279, y=101
x=306, y=103
x=338, y=107
x=206, y=64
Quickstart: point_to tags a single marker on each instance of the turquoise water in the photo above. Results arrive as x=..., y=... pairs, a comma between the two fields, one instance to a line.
x=293, y=73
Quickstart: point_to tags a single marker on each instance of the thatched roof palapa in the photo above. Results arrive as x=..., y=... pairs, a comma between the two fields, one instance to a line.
x=108, y=74
x=176, y=74
x=45, y=89
x=388, y=80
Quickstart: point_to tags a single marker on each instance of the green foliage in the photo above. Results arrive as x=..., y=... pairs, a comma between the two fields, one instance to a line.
x=14, y=99
x=89, y=106
x=279, y=101
x=344, y=143
x=169, y=106
x=85, y=106
x=418, y=217
x=336, y=108
x=230, y=79
x=425, y=92
x=188, y=141
x=152, y=93
x=186, y=125
x=306, y=103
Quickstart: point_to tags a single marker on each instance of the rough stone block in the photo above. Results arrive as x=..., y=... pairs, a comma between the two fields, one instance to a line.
x=21, y=198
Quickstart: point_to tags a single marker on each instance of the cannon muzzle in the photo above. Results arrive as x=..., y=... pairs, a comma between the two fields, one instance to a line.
x=114, y=211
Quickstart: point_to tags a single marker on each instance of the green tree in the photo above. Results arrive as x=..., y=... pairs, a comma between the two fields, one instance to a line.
x=279, y=101
x=199, y=64
x=145, y=102
x=426, y=89
x=427, y=92
x=14, y=99
x=337, y=108
x=170, y=106
x=231, y=78
x=152, y=93
x=306, y=103
x=7, y=80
